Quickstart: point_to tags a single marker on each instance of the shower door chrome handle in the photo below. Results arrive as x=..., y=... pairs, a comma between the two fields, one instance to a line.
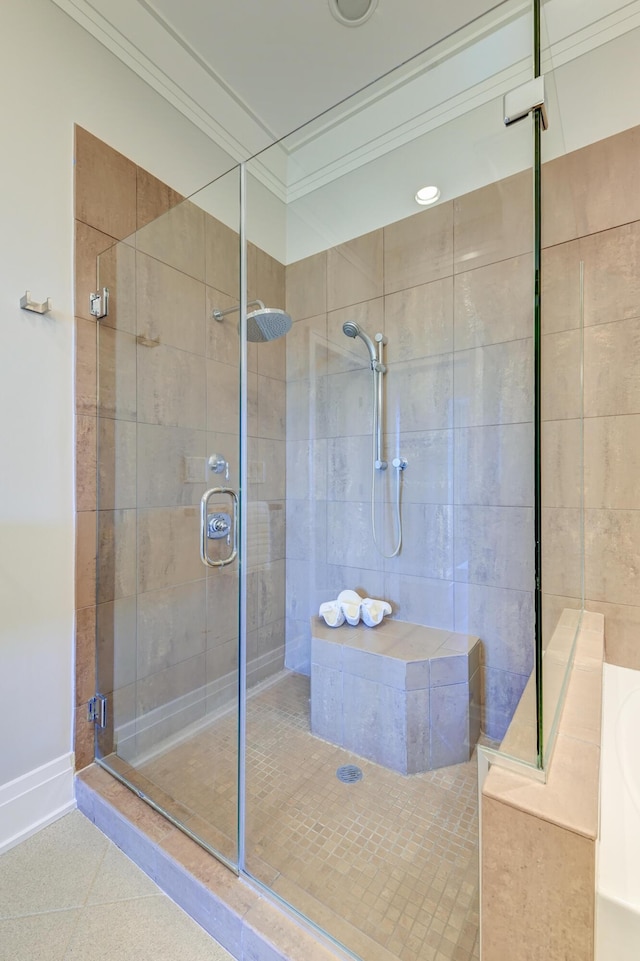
x=204, y=511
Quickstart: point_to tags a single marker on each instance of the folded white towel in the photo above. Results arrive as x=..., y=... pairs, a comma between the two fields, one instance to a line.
x=350, y=603
x=332, y=613
x=373, y=611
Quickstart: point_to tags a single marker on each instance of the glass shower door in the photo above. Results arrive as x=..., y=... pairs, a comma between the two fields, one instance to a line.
x=167, y=569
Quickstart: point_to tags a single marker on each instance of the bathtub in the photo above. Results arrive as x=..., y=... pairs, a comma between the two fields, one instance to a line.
x=618, y=865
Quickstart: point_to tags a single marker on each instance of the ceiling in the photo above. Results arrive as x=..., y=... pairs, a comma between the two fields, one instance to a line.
x=249, y=72
x=278, y=62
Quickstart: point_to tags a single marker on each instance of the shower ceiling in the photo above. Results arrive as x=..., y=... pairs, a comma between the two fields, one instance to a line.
x=247, y=73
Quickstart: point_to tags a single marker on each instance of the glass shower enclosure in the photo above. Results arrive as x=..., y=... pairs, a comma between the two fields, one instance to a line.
x=239, y=488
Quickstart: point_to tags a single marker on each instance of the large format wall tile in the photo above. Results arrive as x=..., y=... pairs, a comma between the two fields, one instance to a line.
x=501, y=695
x=611, y=274
x=116, y=554
x=265, y=278
x=493, y=546
x=494, y=384
x=604, y=182
x=153, y=198
x=171, y=387
x=427, y=541
x=306, y=287
x=86, y=462
x=562, y=469
x=354, y=271
x=421, y=600
x=168, y=554
x=612, y=462
x=494, y=303
x=419, y=394
x=493, y=223
x=223, y=401
x=419, y=321
x=561, y=287
x=306, y=470
x=105, y=186
x=306, y=347
x=419, y=249
x=223, y=338
x=117, y=640
x=494, y=465
x=562, y=551
x=170, y=305
x=502, y=619
x=611, y=382
x=561, y=375
x=117, y=464
x=171, y=626
x=116, y=359
x=168, y=685
x=271, y=408
x=428, y=478
x=85, y=558
x=170, y=465
x=346, y=403
x=267, y=469
x=349, y=468
x=86, y=389
x=222, y=257
x=558, y=202
x=222, y=606
x=612, y=561
x=177, y=239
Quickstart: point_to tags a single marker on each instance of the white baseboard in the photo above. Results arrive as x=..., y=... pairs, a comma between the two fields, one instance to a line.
x=34, y=800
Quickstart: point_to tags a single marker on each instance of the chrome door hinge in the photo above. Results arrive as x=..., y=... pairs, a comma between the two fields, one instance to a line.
x=520, y=102
x=99, y=304
x=98, y=710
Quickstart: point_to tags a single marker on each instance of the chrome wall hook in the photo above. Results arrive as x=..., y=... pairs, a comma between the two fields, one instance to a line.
x=27, y=304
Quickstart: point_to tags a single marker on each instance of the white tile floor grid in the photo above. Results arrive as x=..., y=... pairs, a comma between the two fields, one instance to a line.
x=69, y=893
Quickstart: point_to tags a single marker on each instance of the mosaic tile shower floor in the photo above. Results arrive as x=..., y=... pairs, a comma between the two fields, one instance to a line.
x=392, y=858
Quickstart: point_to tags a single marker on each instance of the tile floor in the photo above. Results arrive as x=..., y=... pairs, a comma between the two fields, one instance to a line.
x=68, y=892
x=388, y=865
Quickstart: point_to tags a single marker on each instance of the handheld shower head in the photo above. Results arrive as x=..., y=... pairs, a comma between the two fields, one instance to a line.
x=351, y=329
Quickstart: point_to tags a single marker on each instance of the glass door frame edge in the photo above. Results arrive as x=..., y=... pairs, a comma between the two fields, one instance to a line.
x=242, y=557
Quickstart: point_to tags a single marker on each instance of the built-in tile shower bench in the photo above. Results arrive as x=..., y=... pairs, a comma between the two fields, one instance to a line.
x=400, y=694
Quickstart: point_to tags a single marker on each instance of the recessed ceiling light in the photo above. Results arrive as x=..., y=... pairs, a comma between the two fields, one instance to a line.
x=427, y=195
x=351, y=13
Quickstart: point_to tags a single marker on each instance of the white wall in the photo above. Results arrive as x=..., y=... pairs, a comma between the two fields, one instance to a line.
x=53, y=75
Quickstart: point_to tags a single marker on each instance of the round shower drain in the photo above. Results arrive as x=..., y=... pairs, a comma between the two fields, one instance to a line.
x=349, y=774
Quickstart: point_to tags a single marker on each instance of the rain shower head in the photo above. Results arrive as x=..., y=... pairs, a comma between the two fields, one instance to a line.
x=351, y=329
x=266, y=323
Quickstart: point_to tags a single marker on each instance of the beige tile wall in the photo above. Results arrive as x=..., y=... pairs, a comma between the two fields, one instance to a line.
x=168, y=377
x=596, y=219
x=458, y=340
x=451, y=290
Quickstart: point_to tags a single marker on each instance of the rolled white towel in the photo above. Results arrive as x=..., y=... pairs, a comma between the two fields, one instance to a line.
x=373, y=611
x=332, y=614
x=350, y=602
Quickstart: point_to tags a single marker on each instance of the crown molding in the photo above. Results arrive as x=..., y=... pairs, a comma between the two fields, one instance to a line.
x=155, y=53
x=473, y=67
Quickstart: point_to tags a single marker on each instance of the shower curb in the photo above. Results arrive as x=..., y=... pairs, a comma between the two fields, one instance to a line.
x=250, y=926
